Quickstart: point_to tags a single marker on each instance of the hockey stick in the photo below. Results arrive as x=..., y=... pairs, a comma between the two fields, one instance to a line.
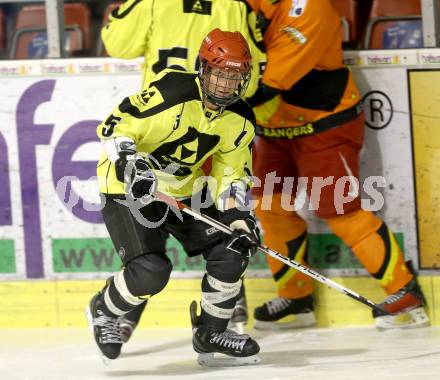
x=270, y=252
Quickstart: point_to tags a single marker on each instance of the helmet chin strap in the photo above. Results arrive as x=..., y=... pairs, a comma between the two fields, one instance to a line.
x=210, y=105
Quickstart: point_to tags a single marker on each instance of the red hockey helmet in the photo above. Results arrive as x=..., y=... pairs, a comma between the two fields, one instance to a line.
x=225, y=67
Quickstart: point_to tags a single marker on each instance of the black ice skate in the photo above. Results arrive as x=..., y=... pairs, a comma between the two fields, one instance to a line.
x=284, y=313
x=222, y=349
x=127, y=327
x=406, y=307
x=105, y=329
x=129, y=321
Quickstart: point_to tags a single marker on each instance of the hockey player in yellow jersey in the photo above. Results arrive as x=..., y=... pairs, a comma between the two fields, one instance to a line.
x=157, y=140
x=168, y=34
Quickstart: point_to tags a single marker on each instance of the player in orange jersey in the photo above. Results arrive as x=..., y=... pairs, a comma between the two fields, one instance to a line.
x=310, y=124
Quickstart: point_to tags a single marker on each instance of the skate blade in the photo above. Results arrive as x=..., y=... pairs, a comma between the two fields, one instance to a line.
x=413, y=319
x=296, y=321
x=221, y=360
x=89, y=317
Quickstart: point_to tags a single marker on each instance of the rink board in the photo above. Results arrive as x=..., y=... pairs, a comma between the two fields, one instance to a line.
x=50, y=224
x=62, y=303
x=425, y=119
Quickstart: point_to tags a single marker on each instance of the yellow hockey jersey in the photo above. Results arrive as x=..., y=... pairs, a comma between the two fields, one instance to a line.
x=168, y=33
x=169, y=122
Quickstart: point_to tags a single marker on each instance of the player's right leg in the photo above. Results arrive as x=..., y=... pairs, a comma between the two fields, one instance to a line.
x=128, y=322
x=294, y=307
x=146, y=272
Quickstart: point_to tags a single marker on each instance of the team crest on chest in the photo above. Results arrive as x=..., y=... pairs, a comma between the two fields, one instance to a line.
x=186, y=151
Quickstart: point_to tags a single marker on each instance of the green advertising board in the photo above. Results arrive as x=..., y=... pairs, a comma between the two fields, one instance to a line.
x=326, y=251
x=7, y=256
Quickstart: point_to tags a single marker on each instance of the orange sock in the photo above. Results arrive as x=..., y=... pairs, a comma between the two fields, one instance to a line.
x=375, y=246
x=286, y=233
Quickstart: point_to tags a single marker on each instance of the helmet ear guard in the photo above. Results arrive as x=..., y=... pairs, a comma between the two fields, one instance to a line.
x=225, y=69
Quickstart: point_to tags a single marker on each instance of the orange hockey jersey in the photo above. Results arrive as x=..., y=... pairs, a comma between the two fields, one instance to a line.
x=303, y=42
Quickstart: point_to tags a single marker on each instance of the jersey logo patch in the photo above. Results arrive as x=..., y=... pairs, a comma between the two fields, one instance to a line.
x=202, y=7
x=297, y=8
x=176, y=156
x=147, y=95
x=295, y=34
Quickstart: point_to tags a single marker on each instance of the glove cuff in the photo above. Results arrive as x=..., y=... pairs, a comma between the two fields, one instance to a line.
x=140, y=164
x=120, y=165
x=233, y=214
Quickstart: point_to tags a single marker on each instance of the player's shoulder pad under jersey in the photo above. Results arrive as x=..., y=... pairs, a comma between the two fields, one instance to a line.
x=169, y=88
x=244, y=110
x=124, y=9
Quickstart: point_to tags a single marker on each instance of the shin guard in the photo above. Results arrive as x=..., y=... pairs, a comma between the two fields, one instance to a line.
x=375, y=246
x=286, y=232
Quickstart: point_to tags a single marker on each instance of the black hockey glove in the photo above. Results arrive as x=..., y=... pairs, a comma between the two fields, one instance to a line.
x=245, y=237
x=143, y=180
x=139, y=178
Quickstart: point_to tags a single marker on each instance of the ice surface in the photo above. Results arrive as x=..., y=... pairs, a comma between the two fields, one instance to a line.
x=309, y=354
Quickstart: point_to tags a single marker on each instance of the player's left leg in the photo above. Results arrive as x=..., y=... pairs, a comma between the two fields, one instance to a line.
x=285, y=232
x=221, y=287
x=197, y=237
x=240, y=315
x=215, y=345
